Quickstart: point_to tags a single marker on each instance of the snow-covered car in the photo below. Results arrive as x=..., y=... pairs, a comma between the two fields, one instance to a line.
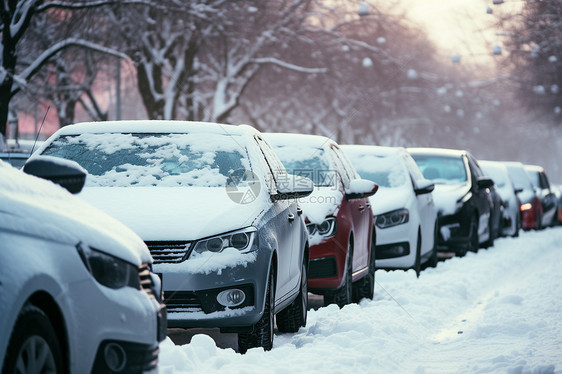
x=338, y=215
x=558, y=192
x=508, y=193
x=461, y=195
x=549, y=202
x=76, y=292
x=217, y=210
x=404, y=212
x=530, y=204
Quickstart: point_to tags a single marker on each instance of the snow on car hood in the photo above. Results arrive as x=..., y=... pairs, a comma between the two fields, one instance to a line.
x=389, y=199
x=38, y=207
x=446, y=196
x=175, y=213
x=324, y=201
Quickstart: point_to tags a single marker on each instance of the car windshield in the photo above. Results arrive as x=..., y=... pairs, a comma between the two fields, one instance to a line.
x=535, y=179
x=500, y=177
x=164, y=160
x=312, y=163
x=442, y=169
x=520, y=178
x=386, y=171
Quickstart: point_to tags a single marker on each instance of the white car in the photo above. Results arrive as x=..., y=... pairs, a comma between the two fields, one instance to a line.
x=505, y=187
x=77, y=294
x=404, y=211
x=217, y=211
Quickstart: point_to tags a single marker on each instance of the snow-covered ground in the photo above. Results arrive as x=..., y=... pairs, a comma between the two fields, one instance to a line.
x=497, y=311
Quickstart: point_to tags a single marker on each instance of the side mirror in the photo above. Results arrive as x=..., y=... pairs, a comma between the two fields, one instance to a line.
x=66, y=173
x=359, y=188
x=424, y=186
x=292, y=187
x=485, y=182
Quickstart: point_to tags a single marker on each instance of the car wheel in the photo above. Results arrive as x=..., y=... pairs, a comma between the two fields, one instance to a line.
x=261, y=334
x=417, y=263
x=433, y=259
x=34, y=346
x=343, y=295
x=517, y=226
x=492, y=234
x=294, y=316
x=364, y=288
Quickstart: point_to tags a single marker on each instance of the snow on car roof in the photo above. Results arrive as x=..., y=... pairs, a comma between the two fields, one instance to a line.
x=437, y=151
x=294, y=139
x=49, y=211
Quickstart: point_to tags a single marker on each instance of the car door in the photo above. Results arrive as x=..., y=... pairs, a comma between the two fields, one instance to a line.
x=360, y=211
x=284, y=224
x=425, y=206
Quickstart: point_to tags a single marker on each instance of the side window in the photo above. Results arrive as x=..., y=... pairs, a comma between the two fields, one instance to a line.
x=276, y=168
x=342, y=169
x=544, y=181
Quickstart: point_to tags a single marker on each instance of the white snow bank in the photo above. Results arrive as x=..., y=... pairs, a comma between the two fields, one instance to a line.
x=497, y=311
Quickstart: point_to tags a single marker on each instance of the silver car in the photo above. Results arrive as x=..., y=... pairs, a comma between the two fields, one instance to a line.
x=77, y=294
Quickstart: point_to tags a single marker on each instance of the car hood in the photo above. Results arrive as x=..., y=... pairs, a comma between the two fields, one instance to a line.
x=323, y=202
x=175, y=213
x=389, y=199
x=445, y=196
x=39, y=208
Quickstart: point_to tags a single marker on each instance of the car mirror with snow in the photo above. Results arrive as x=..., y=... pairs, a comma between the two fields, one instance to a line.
x=292, y=187
x=66, y=173
x=359, y=188
x=424, y=186
x=485, y=182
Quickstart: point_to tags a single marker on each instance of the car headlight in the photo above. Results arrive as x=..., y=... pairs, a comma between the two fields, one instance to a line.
x=394, y=218
x=326, y=228
x=109, y=270
x=242, y=240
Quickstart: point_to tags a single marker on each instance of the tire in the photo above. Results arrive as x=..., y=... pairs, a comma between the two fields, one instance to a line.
x=343, y=295
x=33, y=346
x=433, y=260
x=492, y=234
x=417, y=263
x=261, y=334
x=364, y=288
x=294, y=316
x=517, y=226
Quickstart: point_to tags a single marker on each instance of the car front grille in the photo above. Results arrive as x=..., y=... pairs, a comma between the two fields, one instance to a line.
x=168, y=251
x=182, y=301
x=146, y=283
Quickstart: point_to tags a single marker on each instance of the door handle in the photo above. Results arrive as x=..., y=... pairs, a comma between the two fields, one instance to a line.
x=361, y=208
x=291, y=217
x=299, y=211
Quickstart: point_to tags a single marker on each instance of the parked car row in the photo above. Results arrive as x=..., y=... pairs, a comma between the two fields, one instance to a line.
x=240, y=226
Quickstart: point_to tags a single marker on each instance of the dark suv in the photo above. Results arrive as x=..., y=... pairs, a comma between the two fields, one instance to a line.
x=462, y=196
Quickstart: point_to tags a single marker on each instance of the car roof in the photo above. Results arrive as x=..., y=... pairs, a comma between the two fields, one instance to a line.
x=317, y=141
x=437, y=151
x=377, y=150
x=155, y=126
x=537, y=168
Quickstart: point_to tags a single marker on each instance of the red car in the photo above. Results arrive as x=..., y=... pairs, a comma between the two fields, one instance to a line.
x=530, y=204
x=338, y=217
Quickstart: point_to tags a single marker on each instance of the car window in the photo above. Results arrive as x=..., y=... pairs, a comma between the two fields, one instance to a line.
x=386, y=171
x=544, y=181
x=345, y=172
x=166, y=160
x=498, y=175
x=312, y=162
x=520, y=178
x=442, y=169
x=276, y=169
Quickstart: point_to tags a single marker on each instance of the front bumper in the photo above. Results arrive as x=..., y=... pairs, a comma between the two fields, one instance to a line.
x=396, y=246
x=327, y=265
x=191, y=296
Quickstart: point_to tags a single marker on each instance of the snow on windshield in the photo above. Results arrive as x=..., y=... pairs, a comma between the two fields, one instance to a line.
x=442, y=169
x=165, y=160
x=519, y=177
x=498, y=174
x=386, y=171
x=312, y=163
